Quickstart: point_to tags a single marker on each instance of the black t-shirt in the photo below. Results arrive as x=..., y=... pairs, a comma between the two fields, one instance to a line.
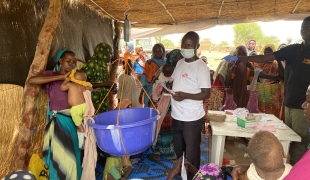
x=297, y=73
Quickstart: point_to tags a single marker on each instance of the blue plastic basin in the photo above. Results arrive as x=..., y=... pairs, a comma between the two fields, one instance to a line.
x=137, y=127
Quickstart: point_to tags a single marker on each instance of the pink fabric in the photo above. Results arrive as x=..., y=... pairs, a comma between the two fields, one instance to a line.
x=229, y=103
x=90, y=148
x=301, y=170
x=157, y=91
x=162, y=106
x=58, y=99
x=253, y=102
x=270, y=128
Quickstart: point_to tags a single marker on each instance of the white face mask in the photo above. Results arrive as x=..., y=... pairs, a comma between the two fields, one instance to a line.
x=188, y=53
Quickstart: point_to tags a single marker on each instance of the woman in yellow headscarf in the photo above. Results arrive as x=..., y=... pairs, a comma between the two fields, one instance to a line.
x=270, y=68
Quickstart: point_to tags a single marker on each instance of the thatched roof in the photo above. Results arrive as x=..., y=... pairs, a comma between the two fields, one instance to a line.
x=160, y=13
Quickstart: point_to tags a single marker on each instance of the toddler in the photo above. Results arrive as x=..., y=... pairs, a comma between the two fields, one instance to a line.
x=117, y=168
x=75, y=85
x=266, y=153
x=164, y=77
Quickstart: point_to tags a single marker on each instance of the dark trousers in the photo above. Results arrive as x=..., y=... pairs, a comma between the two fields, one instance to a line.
x=187, y=138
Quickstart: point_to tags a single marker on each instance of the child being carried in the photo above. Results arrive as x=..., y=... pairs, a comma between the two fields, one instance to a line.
x=266, y=154
x=75, y=85
x=164, y=77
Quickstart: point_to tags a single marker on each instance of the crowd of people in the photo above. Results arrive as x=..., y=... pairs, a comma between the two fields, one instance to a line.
x=190, y=80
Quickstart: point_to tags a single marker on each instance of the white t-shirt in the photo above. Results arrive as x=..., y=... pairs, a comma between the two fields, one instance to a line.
x=189, y=77
x=253, y=175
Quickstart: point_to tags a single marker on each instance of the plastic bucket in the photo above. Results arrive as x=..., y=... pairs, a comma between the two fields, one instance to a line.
x=135, y=132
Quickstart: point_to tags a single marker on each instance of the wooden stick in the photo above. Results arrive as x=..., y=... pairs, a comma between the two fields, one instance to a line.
x=22, y=152
x=221, y=9
x=297, y=4
x=104, y=10
x=114, y=66
x=167, y=11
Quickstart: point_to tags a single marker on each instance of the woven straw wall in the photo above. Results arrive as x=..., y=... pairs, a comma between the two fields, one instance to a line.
x=10, y=117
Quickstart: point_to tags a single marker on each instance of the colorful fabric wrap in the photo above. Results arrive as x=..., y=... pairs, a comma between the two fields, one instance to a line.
x=83, y=83
x=172, y=54
x=210, y=171
x=61, y=152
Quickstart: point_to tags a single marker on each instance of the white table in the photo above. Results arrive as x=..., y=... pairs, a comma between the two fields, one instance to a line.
x=229, y=128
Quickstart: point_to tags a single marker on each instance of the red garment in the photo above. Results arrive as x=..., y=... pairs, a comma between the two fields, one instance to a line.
x=217, y=82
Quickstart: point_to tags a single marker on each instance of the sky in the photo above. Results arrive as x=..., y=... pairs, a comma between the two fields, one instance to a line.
x=281, y=29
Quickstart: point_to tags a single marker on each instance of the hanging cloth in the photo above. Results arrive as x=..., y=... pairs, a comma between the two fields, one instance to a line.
x=90, y=149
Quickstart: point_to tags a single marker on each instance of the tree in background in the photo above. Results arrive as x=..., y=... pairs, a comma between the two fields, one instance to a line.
x=224, y=43
x=158, y=39
x=246, y=31
x=168, y=43
x=270, y=40
x=206, y=40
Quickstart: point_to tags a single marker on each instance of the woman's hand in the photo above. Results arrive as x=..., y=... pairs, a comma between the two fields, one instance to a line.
x=64, y=76
x=239, y=172
x=179, y=96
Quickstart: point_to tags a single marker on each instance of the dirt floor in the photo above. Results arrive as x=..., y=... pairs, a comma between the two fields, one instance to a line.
x=214, y=58
x=235, y=149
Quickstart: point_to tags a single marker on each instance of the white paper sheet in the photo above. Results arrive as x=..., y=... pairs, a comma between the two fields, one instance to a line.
x=183, y=170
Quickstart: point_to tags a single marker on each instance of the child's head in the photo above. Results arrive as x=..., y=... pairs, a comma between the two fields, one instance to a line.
x=168, y=70
x=266, y=151
x=80, y=75
x=127, y=67
x=241, y=51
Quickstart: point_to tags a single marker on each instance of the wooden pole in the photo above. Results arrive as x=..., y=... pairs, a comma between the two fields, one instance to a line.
x=22, y=152
x=117, y=37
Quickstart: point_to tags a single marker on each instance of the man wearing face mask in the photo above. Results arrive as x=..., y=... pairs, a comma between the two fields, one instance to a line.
x=191, y=86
